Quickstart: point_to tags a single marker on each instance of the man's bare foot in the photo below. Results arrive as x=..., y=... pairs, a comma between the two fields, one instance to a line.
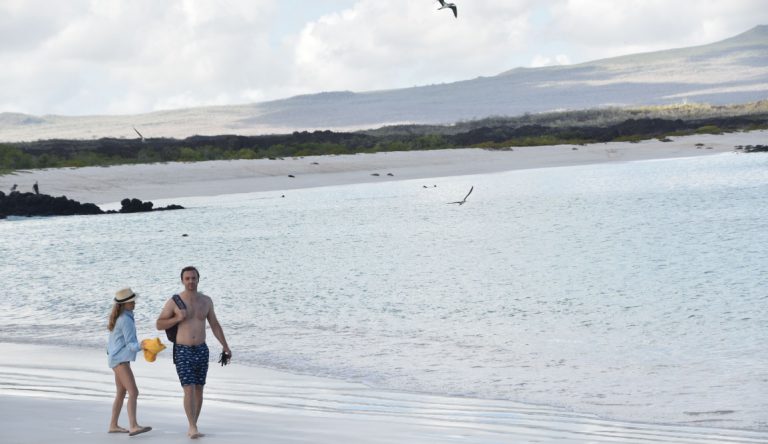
x=117, y=429
x=194, y=434
x=138, y=430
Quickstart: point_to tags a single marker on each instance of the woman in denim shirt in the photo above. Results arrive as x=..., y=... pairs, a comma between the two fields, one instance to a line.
x=122, y=349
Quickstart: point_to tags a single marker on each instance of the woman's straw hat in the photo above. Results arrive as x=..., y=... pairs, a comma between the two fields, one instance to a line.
x=125, y=295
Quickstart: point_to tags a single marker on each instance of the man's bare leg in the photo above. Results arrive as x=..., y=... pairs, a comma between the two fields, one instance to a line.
x=198, y=401
x=190, y=408
x=198, y=405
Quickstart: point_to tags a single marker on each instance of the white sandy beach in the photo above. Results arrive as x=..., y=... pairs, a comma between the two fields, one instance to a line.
x=103, y=185
x=56, y=394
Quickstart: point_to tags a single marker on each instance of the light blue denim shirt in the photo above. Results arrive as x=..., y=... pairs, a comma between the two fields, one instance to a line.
x=123, y=345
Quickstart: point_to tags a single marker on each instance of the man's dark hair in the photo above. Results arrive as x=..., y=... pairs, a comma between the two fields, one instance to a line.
x=189, y=268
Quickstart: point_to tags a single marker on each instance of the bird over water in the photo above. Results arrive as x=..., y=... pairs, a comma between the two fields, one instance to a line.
x=452, y=6
x=463, y=201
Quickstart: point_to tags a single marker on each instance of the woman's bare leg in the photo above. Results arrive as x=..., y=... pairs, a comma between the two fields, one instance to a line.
x=124, y=373
x=117, y=406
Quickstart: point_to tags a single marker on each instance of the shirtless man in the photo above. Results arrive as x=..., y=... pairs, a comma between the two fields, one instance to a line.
x=190, y=351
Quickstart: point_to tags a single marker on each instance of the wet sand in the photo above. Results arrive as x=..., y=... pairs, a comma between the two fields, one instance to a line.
x=64, y=395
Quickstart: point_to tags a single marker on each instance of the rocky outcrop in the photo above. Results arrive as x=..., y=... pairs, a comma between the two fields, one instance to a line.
x=137, y=206
x=31, y=204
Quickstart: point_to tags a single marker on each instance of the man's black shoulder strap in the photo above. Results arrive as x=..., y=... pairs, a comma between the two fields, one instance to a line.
x=171, y=332
x=179, y=302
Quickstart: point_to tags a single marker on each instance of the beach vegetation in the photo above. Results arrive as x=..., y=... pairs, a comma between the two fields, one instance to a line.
x=709, y=129
x=146, y=155
x=632, y=138
x=242, y=153
x=499, y=132
x=543, y=140
x=12, y=158
x=391, y=145
x=187, y=154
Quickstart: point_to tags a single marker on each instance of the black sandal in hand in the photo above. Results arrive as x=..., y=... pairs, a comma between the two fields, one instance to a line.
x=224, y=358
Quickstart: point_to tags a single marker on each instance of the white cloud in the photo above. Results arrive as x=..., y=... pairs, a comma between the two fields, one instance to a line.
x=398, y=43
x=542, y=60
x=116, y=56
x=119, y=56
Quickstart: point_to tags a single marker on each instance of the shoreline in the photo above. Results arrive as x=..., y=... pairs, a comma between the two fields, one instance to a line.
x=163, y=181
x=54, y=392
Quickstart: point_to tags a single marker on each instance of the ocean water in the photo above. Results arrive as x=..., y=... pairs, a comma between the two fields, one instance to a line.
x=635, y=291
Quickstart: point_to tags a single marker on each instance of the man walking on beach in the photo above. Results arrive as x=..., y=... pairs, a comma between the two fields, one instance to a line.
x=190, y=351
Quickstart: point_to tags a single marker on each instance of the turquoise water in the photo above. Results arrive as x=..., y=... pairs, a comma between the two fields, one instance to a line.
x=633, y=291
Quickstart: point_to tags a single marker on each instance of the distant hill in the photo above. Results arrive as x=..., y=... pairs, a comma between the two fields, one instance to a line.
x=731, y=71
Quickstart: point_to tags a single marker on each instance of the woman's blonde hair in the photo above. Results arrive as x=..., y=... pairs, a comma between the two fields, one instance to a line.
x=117, y=310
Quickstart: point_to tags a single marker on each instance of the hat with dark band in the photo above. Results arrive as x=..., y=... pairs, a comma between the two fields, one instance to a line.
x=125, y=295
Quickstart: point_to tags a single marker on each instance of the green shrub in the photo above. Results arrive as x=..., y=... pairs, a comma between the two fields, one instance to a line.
x=148, y=155
x=245, y=153
x=709, y=129
x=187, y=154
x=12, y=158
x=629, y=138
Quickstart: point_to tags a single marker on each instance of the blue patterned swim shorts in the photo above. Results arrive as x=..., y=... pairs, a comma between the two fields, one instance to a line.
x=191, y=363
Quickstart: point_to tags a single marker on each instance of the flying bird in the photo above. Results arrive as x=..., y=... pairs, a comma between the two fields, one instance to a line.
x=140, y=136
x=463, y=201
x=444, y=5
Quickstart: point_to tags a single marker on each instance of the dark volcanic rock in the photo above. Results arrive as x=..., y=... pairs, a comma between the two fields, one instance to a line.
x=137, y=206
x=31, y=204
x=754, y=148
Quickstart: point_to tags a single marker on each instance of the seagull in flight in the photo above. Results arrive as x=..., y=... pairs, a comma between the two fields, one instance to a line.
x=463, y=201
x=137, y=132
x=444, y=5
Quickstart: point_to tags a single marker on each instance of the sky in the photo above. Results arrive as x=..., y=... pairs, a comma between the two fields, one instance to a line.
x=92, y=57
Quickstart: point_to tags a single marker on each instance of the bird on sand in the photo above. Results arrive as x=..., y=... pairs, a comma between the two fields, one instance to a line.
x=463, y=201
x=140, y=136
x=444, y=5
